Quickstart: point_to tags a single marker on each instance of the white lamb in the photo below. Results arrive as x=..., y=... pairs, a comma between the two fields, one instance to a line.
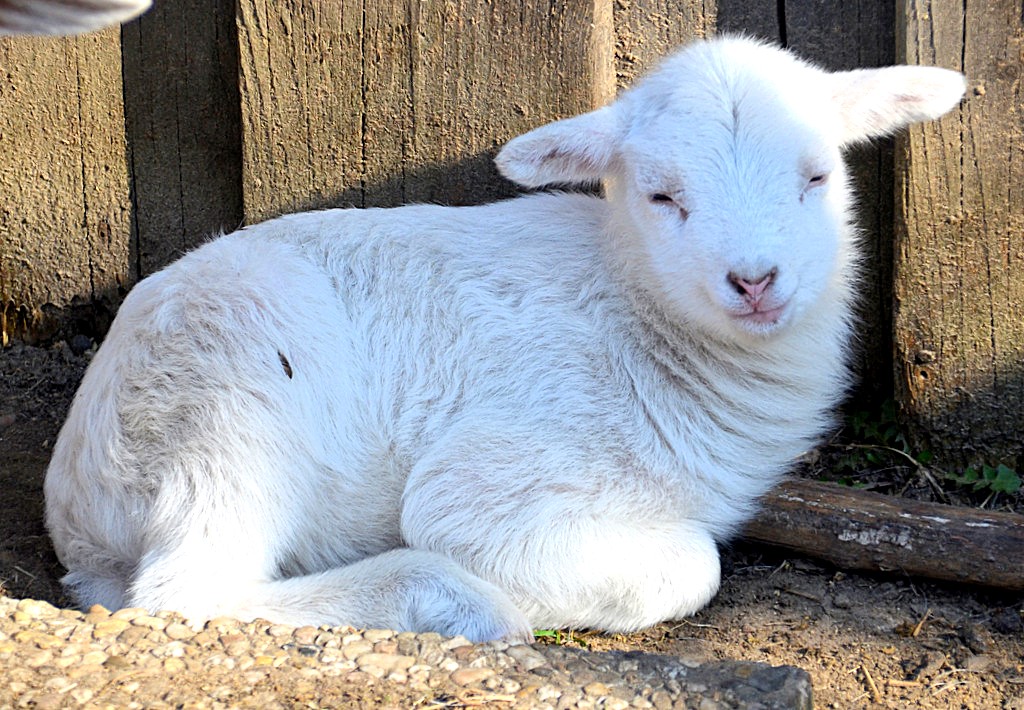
x=537, y=413
x=58, y=17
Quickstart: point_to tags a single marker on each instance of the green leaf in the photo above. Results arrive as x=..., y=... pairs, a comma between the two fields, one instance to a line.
x=1006, y=480
x=970, y=476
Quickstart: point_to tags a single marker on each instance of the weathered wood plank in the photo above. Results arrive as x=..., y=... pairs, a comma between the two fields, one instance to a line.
x=64, y=220
x=483, y=73
x=182, y=119
x=383, y=102
x=960, y=240
x=852, y=35
x=755, y=18
x=869, y=531
x=645, y=30
x=301, y=103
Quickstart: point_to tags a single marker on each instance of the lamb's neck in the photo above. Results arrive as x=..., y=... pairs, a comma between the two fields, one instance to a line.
x=781, y=388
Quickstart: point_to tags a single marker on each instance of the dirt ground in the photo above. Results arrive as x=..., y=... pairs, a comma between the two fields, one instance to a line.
x=867, y=641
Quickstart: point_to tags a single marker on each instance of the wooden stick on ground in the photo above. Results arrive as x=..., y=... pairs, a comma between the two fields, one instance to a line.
x=861, y=530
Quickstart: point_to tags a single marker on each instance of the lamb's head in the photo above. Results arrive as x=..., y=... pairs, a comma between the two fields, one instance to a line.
x=724, y=174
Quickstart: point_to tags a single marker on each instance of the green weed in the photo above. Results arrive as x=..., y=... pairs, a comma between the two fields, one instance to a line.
x=560, y=637
x=998, y=479
x=872, y=447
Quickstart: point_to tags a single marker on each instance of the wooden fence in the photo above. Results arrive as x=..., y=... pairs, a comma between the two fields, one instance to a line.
x=122, y=149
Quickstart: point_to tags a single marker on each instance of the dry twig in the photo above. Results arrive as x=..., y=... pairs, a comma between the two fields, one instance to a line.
x=920, y=624
x=876, y=697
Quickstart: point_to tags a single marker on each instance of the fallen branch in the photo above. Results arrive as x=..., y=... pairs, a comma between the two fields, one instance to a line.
x=856, y=529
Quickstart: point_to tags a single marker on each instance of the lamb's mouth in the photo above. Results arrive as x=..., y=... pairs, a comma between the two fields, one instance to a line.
x=762, y=320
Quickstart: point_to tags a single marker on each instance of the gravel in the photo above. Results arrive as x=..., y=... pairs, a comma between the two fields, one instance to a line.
x=55, y=658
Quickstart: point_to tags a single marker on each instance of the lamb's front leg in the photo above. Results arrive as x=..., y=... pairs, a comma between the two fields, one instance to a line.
x=570, y=549
x=402, y=589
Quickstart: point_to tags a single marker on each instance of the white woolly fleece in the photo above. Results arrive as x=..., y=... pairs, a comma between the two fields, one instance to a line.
x=542, y=412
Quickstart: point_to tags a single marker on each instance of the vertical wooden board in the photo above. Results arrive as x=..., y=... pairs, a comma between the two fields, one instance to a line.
x=845, y=35
x=851, y=35
x=754, y=18
x=64, y=221
x=383, y=102
x=182, y=119
x=386, y=104
x=960, y=242
x=301, y=86
x=647, y=30
x=483, y=73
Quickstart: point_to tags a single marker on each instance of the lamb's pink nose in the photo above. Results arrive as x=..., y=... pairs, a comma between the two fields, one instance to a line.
x=753, y=290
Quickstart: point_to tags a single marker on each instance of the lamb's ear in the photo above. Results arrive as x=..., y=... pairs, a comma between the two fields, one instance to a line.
x=876, y=102
x=573, y=150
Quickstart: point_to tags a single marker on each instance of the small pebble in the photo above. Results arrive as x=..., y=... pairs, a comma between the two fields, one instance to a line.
x=978, y=664
x=385, y=661
x=35, y=609
x=467, y=676
x=841, y=600
x=375, y=635
x=82, y=695
x=280, y=631
x=456, y=642
x=528, y=658
x=39, y=658
x=356, y=649
x=389, y=646
x=39, y=639
x=80, y=344
x=174, y=665
x=305, y=634
x=129, y=614
x=96, y=614
x=94, y=658
x=710, y=704
x=150, y=622
x=132, y=635
x=177, y=631
x=223, y=625
x=109, y=627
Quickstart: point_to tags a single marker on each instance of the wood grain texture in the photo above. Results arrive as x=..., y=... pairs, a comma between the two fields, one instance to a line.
x=382, y=102
x=860, y=530
x=64, y=218
x=852, y=35
x=960, y=240
x=487, y=72
x=754, y=18
x=646, y=30
x=182, y=119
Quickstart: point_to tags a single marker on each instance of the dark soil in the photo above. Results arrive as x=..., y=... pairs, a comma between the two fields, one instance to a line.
x=867, y=641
